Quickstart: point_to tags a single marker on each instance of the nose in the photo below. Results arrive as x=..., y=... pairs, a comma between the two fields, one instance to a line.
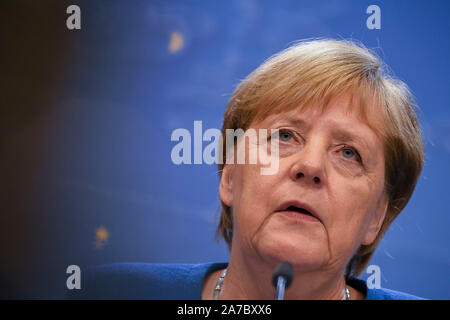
x=308, y=165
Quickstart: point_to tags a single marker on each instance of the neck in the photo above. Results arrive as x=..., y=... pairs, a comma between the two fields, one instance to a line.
x=250, y=278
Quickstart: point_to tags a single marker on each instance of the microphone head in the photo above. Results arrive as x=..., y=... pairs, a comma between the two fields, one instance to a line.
x=284, y=270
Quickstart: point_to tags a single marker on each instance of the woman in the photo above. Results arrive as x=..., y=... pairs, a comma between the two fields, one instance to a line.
x=349, y=156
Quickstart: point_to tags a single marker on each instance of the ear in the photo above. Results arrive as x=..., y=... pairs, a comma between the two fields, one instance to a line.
x=226, y=184
x=376, y=221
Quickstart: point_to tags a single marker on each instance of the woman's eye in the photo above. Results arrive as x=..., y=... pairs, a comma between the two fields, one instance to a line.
x=350, y=153
x=285, y=135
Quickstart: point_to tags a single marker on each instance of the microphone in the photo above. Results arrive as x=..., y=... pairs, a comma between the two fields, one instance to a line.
x=282, y=279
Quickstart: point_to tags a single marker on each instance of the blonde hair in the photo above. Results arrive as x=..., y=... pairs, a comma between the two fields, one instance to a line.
x=311, y=72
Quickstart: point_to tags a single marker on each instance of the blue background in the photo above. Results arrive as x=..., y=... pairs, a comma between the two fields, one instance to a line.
x=104, y=147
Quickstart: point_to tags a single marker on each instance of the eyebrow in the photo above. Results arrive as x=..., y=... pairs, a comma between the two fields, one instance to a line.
x=347, y=136
x=296, y=122
x=341, y=134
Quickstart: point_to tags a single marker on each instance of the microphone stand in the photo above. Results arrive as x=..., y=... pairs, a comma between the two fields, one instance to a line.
x=281, y=285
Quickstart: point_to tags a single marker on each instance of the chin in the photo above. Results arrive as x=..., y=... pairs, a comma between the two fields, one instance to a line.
x=302, y=257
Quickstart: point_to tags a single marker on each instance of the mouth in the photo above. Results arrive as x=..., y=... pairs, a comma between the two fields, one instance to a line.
x=295, y=209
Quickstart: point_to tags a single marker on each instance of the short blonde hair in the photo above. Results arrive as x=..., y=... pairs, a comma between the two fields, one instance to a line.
x=311, y=72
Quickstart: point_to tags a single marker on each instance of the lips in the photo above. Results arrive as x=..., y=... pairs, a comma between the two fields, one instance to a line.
x=299, y=207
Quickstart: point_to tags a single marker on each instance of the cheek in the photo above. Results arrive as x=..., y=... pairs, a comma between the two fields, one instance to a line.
x=351, y=205
x=251, y=200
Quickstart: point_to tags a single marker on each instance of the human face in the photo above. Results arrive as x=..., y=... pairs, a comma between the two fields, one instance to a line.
x=332, y=163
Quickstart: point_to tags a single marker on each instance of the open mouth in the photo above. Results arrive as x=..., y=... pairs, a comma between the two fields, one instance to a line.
x=299, y=210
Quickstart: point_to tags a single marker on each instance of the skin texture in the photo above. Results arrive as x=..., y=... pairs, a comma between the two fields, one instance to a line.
x=340, y=175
